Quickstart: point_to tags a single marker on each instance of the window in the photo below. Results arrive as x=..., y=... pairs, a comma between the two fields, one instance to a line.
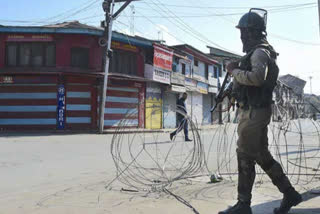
x=175, y=64
x=206, y=71
x=195, y=62
x=216, y=72
x=124, y=62
x=80, y=57
x=183, y=68
x=202, y=69
x=37, y=56
x=11, y=55
x=30, y=54
x=50, y=56
x=25, y=54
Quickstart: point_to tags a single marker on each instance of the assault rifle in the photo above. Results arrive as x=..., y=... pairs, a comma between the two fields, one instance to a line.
x=225, y=91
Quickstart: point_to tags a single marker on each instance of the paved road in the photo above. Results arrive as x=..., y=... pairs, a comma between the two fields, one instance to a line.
x=68, y=174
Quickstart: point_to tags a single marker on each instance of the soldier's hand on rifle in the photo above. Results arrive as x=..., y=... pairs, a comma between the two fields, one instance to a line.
x=231, y=66
x=232, y=102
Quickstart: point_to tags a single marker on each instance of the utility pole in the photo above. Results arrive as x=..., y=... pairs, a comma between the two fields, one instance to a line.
x=319, y=13
x=219, y=86
x=133, y=12
x=105, y=42
x=311, y=82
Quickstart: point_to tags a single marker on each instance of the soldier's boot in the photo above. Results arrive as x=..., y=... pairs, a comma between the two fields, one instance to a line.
x=238, y=208
x=290, y=198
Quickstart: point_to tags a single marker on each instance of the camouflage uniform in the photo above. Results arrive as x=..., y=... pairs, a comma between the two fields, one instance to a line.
x=254, y=82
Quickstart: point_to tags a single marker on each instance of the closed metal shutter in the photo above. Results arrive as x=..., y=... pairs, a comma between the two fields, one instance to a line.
x=169, y=107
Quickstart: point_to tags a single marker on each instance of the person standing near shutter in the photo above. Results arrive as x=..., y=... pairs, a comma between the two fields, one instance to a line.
x=182, y=118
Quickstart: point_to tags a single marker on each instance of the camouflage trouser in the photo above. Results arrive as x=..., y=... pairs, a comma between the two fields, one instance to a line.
x=252, y=149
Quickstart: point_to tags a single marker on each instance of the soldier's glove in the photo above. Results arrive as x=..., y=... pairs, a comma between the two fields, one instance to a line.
x=231, y=66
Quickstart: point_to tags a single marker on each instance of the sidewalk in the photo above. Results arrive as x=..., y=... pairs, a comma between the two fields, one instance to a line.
x=143, y=130
x=106, y=131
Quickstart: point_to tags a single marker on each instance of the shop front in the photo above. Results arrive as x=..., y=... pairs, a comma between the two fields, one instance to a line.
x=170, y=98
x=125, y=104
x=160, y=75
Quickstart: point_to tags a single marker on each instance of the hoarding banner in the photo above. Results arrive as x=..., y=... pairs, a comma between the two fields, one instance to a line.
x=162, y=58
x=202, y=87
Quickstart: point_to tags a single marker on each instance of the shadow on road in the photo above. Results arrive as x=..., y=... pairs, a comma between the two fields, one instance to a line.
x=267, y=208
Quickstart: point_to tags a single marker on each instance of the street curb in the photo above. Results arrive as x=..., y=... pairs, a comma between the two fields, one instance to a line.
x=9, y=133
x=135, y=131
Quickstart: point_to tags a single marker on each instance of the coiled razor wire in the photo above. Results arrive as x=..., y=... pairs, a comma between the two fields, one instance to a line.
x=287, y=141
x=147, y=162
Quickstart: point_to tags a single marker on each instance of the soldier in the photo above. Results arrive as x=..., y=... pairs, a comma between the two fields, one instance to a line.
x=254, y=79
